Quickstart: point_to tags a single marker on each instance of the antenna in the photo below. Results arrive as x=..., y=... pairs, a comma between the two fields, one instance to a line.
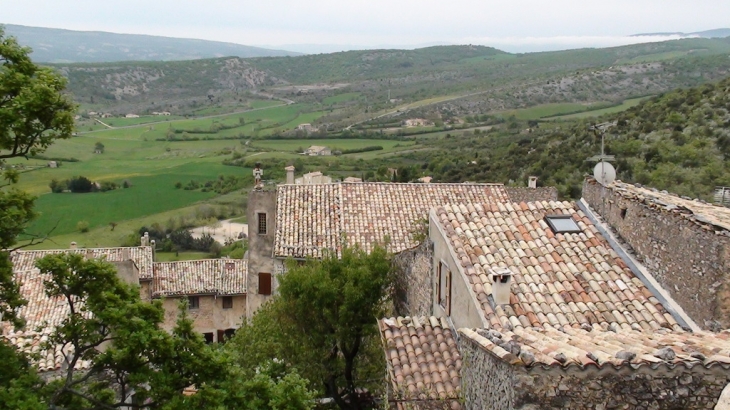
x=604, y=172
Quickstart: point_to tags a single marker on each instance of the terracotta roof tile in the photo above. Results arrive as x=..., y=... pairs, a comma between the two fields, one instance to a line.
x=422, y=357
x=605, y=291
x=42, y=315
x=597, y=347
x=315, y=218
x=140, y=255
x=207, y=276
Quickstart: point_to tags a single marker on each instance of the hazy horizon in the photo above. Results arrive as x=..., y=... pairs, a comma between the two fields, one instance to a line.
x=328, y=25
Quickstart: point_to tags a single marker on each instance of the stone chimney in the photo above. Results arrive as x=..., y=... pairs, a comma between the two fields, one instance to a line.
x=501, y=282
x=532, y=182
x=154, y=249
x=73, y=245
x=145, y=240
x=290, y=174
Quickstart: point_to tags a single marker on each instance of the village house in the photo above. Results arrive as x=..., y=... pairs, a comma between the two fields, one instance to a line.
x=550, y=314
x=301, y=221
x=310, y=178
x=306, y=127
x=417, y=122
x=131, y=116
x=513, y=300
x=316, y=150
x=215, y=291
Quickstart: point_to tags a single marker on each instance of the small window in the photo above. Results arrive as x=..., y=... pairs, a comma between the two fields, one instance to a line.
x=208, y=337
x=562, y=224
x=262, y=223
x=264, y=283
x=444, y=289
x=227, y=302
x=623, y=213
x=193, y=302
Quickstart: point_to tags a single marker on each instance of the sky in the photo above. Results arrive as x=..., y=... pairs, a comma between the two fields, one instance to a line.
x=516, y=25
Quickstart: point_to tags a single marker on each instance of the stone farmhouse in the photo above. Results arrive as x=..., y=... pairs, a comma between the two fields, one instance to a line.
x=215, y=290
x=316, y=150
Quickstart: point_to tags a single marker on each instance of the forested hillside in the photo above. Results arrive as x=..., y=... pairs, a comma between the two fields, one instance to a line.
x=679, y=141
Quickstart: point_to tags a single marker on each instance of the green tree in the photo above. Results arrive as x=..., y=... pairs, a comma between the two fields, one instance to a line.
x=99, y=147
x=137, y=355
x=34, y=111
x=323, y=323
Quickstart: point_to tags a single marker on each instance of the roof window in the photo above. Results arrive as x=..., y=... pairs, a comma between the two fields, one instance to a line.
x=562, y=224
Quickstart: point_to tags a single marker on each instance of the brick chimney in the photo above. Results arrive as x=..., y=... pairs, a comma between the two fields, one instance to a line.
x=290, y=174
x=532, y=182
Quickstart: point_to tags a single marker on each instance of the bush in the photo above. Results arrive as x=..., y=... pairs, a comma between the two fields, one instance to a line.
x=83, y=226
x=80, y=184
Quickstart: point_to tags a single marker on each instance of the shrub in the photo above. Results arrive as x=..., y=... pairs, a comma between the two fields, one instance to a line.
x=83, y=226
x=80, y=184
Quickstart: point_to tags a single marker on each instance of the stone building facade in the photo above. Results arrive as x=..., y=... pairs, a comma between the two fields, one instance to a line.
x=685, y=243
x=492, y=378
x=414, y=287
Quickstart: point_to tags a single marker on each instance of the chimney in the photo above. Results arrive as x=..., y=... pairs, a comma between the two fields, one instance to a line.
x=153, y=245
x=290, y=174
x=145, y=240
x=501, y=282
x=532, y=182
x=73, y=245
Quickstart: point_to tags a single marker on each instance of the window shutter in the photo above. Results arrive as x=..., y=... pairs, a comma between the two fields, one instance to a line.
x=264, y=283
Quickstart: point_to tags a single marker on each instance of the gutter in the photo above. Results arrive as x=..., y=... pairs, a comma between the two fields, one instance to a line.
x=641, y=272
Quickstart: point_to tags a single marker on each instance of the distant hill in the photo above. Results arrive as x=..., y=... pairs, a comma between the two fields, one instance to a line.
x=52, y=45
x=678, y=141
x=716, y=33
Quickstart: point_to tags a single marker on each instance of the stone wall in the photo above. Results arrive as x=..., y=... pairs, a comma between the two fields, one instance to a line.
x=413, y=289
x=524, y=194
x=486, y=381
x=490, y=383
x=209, y=317
x=260, y=246
x=689, y=261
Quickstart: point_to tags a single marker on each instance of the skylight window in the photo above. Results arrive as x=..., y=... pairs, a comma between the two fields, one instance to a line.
x=562, y=224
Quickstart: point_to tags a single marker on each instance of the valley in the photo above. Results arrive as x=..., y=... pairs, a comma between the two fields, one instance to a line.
x=456, y=113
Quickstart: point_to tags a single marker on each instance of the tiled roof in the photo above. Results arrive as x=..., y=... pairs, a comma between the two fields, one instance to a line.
x=577, y=347
x=422, y=358
x=42, y=314
x=694, y=210
x=207, y=276
x=315, y=218
x=572, y=280
x=140, y=255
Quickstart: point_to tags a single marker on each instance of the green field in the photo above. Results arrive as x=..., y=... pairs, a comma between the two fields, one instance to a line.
x=148, y=195
x=335, y=99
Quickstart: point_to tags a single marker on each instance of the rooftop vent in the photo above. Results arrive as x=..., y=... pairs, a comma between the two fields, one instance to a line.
x=501, y=282
x=562, y=224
